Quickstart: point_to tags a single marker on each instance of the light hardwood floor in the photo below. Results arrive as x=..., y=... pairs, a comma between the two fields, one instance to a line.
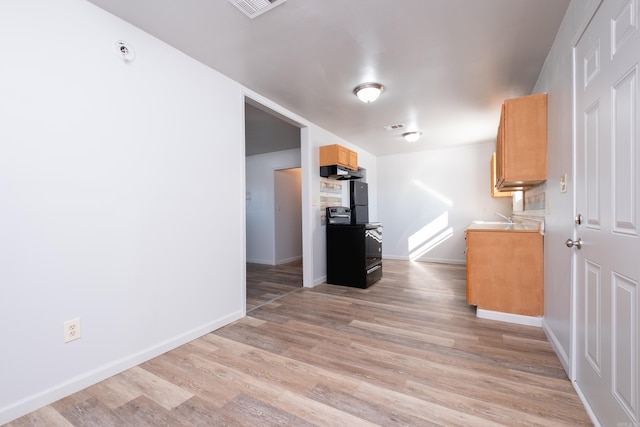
x=268, y=282
x=408, y=351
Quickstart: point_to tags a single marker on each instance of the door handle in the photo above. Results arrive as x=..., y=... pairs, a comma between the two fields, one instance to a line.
x=571, y=243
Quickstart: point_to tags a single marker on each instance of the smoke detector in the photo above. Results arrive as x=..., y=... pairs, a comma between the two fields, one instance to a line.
x=255, y=8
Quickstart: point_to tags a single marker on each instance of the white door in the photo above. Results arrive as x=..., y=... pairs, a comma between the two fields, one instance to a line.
x=607, y=265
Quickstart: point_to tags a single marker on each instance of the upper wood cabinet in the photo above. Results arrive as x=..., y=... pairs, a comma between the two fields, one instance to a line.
x=521, y=146
x=494, y=191
x=338, y=155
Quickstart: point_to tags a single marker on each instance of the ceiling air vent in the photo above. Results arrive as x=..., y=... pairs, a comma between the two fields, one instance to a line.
x=394, y=127
x=255, y=8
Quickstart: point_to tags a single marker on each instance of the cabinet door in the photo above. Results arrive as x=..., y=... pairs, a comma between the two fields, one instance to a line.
x=472, y=286
x=505, y=271
x=500, y=150
x=329, y=155
x=522, y=145
x=525, y=135
x=344, y=156
x=494, y=191
x=353, y=160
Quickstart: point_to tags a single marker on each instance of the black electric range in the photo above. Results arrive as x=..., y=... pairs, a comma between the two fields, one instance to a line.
x=354, y=251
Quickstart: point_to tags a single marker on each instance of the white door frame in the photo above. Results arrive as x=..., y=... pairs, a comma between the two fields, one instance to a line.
x=305, y=164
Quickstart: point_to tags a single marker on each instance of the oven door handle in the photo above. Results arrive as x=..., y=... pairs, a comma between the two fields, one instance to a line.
x=372, y=269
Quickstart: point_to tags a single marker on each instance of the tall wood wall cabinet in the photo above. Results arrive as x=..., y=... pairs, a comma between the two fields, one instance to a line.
x=521, y=145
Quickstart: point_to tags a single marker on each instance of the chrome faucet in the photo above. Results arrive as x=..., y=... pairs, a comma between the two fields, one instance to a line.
x=508, y=218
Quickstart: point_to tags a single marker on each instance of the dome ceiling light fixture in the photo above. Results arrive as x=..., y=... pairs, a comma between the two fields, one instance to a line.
x=368, y=92
x=411, y=136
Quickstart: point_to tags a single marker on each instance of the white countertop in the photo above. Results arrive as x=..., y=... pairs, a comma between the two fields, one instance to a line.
x=531, y=226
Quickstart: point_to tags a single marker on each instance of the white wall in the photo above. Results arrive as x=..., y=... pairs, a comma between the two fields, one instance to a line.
x=260, y=193
x=556, y=79
x=112, y=176
x=427, y=199
x=288, y=221
x=112, y=180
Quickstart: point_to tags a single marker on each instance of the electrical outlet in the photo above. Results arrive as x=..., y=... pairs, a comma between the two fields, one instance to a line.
x=72, y=330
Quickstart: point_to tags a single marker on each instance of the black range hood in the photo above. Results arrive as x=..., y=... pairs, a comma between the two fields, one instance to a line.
x=340, y=172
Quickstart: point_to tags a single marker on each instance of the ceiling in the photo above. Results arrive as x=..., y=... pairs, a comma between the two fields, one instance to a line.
x=446, y=65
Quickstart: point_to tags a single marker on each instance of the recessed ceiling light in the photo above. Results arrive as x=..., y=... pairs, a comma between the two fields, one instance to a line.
x=368, y=92
x=412, y=136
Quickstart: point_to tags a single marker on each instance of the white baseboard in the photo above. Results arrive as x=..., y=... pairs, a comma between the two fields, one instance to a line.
x=260, y=261
x=586, y=405
x=398, y=257
x=509, y=317
x=557, y=348
x=319, y=281
x=82, y=381
x=425, y=259
x=288, y=260
x=564, y=359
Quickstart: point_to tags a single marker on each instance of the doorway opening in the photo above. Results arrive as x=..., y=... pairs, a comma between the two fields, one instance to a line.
x=273, y=206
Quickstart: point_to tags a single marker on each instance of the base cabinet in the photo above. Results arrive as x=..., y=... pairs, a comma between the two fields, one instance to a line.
x=505, y=271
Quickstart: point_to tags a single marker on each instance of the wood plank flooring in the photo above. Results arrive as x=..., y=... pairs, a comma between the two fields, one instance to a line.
x=408, y=351
x=268, y=282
